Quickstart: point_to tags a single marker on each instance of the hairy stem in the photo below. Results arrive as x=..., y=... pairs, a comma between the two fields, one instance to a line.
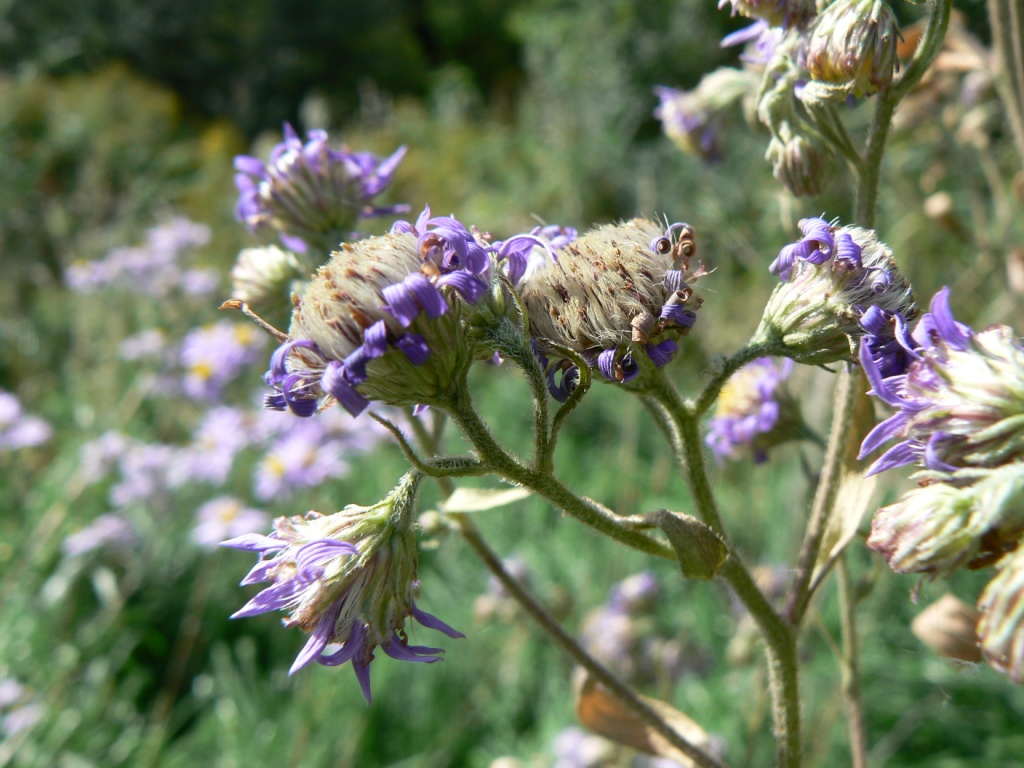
x=729, y=367
x=824, y=498
x=507, y=467
x=780, y=639
x=567, y=643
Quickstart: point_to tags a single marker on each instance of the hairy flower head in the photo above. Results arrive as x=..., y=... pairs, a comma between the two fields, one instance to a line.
x=1001, y=628
x=619, y=296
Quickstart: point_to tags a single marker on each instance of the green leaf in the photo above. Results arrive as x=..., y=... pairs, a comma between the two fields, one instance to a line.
x=699, y=549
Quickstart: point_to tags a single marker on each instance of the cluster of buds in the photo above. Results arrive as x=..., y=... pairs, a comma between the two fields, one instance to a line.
x=754, y=412
x=619, y=297
x=347, y=579
x=839, y=285
x=959, y=408
x=384, y=318
x=310, y=193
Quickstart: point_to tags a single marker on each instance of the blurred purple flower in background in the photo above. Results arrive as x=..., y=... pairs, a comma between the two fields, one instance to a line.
x=108, y=530
x=19, y=429
x=226, y=517
x=213, y=355
x=302, y=457
x=748, y=410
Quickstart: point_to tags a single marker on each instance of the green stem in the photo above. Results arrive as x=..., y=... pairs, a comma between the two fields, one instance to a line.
x=885, y=106
x=851, y=664
x=587, y=511
x=567, y=643
x=824, y=498
x=1005, y=21
x=780, y=639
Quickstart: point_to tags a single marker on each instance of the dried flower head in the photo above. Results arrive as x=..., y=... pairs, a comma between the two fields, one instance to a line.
x=310, y=192
x=619, y=296
x=347, y=579
x=754, y=412
x=959, y=402
x=801, y=160
x=949, y=627
x=832, y=279
x=1001, y=628
x=852, y=50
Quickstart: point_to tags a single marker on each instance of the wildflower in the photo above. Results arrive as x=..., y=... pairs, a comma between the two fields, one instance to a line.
x=383, y=319
x=754, y=411
x=310, y=193
x=107, y=530
x=852, y=50
x=778, y=13
x=619, y=296
x=149, y=344
x=1001, y=628
x=144, y=473
x=696, y=120
x=347, y=579
x=215, y=354
x=550, y=239
x=832, y=279
x=941, y=526
x=301, y=457
x=223, y=432
x=225, y=517
x=959, y=402
x=764, y=40
x=99, y=457
x=18, y=429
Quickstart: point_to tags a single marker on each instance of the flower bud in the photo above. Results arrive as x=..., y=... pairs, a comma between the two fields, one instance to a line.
x=852, y=50
x=1001, y=629
x=619, y=296
x=832, y=279
x=940, y=526
x=959, y=402
x=310, y=193
x=347, y=578
x=802, y=161
x=265, y=277
x=948, y=627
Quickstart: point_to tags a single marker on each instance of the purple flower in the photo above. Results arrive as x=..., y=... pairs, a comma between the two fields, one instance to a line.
x=348, y=579
x=226, y=517
x=310, y=192
x=18, y=429
x=108, y=530
x=777, y=13
x=753, y=411
x=223, y=432
x=958, y=403
x=301, y=457
x=213, y=355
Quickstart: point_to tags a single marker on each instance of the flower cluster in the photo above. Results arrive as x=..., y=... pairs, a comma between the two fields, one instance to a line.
x=839, y=284
x=213, y=355
x=958, y=412
x=348, y=579
x=619, y=297
x=754, y=411
x=311, y=193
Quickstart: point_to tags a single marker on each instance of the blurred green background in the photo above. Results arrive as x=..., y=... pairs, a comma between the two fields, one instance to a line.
x=116, y=115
